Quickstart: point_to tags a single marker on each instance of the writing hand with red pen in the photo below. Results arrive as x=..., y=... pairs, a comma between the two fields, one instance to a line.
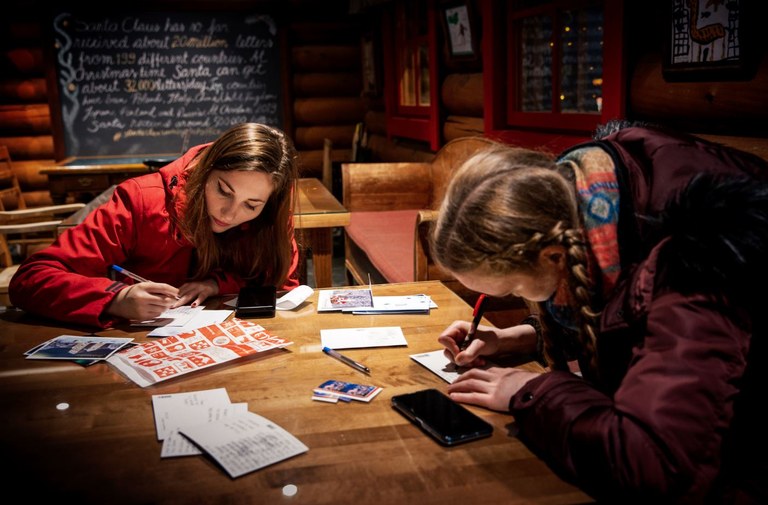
x=477, y=315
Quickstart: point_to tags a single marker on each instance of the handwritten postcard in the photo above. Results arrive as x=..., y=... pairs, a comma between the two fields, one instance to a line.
x=244, y=442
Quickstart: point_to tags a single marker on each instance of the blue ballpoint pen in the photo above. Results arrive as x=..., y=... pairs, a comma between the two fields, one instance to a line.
x=130, y=274
x=348, y=361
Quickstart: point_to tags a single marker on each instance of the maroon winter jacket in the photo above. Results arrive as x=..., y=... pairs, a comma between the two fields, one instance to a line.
x=672, y=418
x=69, y=280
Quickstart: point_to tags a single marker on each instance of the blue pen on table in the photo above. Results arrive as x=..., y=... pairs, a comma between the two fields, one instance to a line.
x=348, y=361
x=477, y=316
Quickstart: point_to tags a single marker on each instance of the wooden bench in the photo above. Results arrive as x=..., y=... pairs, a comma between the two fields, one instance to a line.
x=391, y=206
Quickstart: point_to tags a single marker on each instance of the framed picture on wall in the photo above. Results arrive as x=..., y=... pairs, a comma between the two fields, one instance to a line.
x=460, y=29
x=707, y=41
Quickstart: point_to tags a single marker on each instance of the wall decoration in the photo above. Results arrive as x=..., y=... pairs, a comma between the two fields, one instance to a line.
x=706, y=41
x=460, y=30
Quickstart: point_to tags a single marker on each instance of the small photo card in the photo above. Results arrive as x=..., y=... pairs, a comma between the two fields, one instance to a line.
x=74, y=347
x=339, y=299
x=348, y=390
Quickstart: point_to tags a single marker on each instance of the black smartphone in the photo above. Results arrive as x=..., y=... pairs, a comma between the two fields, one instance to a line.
x=256, y=301
x=442, y=418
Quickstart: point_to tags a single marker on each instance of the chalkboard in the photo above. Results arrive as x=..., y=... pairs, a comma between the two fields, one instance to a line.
x=158, y=82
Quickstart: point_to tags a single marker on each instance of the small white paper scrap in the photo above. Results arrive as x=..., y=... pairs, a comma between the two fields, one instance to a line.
x=288, y=301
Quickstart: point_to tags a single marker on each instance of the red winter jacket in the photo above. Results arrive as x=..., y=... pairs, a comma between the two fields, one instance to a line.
x=70, y=280
x=673, y=417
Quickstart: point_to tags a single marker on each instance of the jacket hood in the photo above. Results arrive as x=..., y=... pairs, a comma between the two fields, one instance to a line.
x=717, y=229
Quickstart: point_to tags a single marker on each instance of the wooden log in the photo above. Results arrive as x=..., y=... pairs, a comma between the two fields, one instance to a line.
x=711, y=102
x=462, y=94
x=311, y=161
x=28, y=173
x=327, y=84
x=376, y=122
x=462, y=126
x=325, y=111
x=32, y=90
x=29, y=148
x=25, y=61
x=325, y=58
x=38, y=198
x=311, y=137
x=385, y=150
x=24, y=119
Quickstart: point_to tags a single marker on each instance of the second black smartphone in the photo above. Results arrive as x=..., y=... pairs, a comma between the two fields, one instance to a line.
x=444, y=419
x=256, y=301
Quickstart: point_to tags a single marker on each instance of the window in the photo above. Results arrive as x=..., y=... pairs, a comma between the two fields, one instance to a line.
x=411, y=72
x=559, y=67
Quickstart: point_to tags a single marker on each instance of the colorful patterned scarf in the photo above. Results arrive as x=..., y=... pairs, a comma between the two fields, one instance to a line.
x=598, y=194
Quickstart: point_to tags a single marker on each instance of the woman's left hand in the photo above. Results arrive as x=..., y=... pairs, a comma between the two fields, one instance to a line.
x=491, y=388
x=195, y=293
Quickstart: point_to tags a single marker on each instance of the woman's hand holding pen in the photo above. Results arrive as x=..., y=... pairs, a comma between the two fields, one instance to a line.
x=196, y=292
x=144, y=300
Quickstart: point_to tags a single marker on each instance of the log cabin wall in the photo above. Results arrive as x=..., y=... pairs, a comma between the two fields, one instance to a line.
x=326, y=100
x=731, y=111
x=25, y=120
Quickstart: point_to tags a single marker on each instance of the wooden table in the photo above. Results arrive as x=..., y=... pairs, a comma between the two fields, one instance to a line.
x=103, y=447
x=86, y=177
x=317, y=213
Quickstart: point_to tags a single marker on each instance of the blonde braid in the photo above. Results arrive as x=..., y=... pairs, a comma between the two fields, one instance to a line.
x=582, y=287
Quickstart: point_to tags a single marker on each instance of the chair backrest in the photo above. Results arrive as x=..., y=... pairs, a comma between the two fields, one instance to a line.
x=448, y=159
x=10, y=190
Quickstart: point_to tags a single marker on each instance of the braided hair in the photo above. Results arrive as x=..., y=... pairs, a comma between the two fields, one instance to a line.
x=503, y=206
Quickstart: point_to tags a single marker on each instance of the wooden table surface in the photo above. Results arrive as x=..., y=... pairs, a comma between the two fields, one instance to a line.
x=103, y=447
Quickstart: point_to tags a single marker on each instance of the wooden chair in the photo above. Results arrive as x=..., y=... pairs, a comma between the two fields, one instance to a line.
x=22, y=229
x=392, y=207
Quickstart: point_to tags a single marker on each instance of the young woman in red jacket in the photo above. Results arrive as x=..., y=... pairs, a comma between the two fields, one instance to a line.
x=204, y=225
x=644, y=256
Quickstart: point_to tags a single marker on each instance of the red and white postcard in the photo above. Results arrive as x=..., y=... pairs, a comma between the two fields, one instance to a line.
x=166, y=358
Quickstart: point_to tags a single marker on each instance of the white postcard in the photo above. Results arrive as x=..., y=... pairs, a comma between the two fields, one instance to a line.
x=353, y=338
x=245, y=442
x=171, y=409
x=201, y=319
x=437, y=363
x=408, y=304
x=172, y=317
x=176, y=444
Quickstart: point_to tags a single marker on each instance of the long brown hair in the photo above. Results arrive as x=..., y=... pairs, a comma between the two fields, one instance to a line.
x=261, y=249
x=501, y=208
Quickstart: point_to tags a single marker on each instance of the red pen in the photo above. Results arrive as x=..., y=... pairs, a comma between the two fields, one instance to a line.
x=477, y=315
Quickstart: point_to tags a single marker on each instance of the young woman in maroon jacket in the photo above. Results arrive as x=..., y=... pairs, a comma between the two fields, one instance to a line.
x=644, y=256
x=204, y=225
